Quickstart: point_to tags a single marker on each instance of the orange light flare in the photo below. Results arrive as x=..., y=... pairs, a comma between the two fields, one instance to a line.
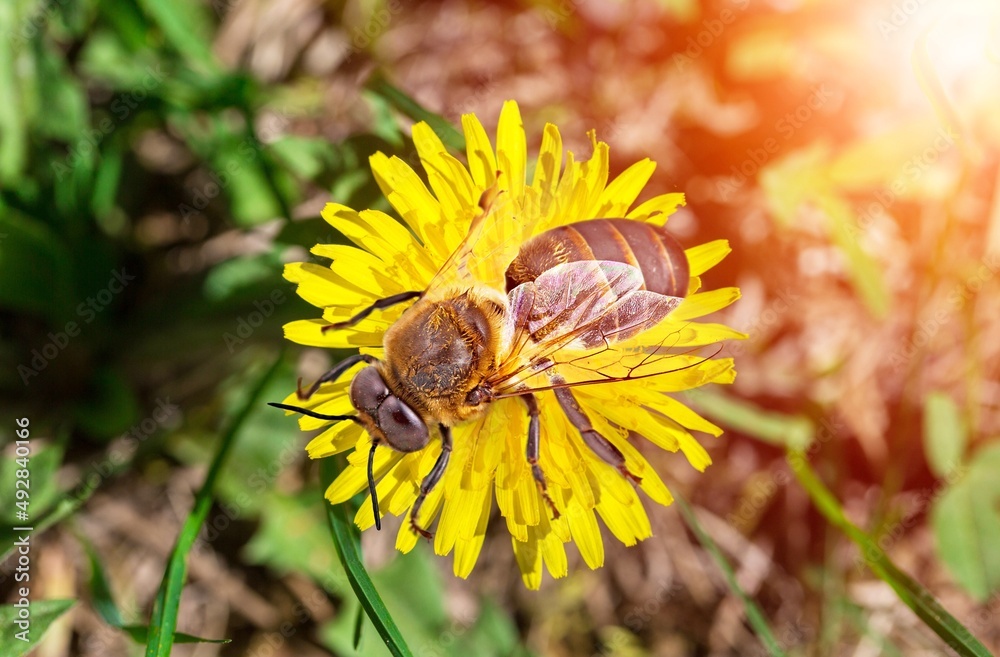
x=942, y=60
x=955, y=44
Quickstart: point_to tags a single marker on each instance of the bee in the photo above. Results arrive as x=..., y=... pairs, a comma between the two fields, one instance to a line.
x=549, y=318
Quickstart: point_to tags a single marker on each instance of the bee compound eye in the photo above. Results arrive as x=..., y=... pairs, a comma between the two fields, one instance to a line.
x=404, y=430
x=368, y=390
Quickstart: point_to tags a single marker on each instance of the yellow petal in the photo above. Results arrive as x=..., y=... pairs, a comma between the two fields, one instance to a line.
x=512, y=151
x=623, y=190
x=459, y=518
x=406, y=538
x=338, y=438
x=322, y=287
x=529, y=560
x=629, y=523
x=405, y=258
x=546, y=177
x=467, y=550
x=353, y=479
x=586, y=535
x=554, y=555
x=482, y=162
x=658, y=209
x=309, y=332
x=360, y=269
x=703, y=257
x=595, y=174
x=705, y=303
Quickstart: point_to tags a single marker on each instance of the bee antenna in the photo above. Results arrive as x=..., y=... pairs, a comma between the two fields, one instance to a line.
x=371, y=486
x=318, y=416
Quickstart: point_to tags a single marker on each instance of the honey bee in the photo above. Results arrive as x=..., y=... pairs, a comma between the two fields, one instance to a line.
x=563, y=302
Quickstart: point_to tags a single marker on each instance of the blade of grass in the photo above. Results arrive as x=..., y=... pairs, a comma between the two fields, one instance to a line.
x=448, y=133
x=754, y=614
x=913, y=595
x=164, y=617
x=104, y=603
x=793, y=431
x=347, y=542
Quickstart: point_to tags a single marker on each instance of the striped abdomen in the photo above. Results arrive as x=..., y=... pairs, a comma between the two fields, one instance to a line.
x=650, y=248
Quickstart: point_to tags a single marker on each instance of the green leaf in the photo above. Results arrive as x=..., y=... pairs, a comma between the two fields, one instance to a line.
x=347, y=541
x=945, y=435
x=913, y=595
x=140, y=634
x=13, y=132
x=754, y=613
x=164, y=617
x=104, y=604
x=864, y=271
x=42, y=614
x=448, y=133
x=187, y=27
x=35, y=270
x=100, y=590
x=292, y=538
x=791, y=431
x=966, y=522
x=43, y=465
x=109, y=406
x=65, y=114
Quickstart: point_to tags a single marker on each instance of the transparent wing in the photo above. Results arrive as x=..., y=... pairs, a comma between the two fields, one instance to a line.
x=582, y=322
x=492, y=241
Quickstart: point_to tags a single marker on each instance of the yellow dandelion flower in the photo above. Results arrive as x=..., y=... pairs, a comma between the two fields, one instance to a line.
x=480, y=324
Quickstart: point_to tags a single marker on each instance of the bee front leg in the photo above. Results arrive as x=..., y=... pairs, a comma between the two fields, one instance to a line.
x=431, y=480
x=595, y=441
x=534, y=435
x=333, y=374
x=378, y=305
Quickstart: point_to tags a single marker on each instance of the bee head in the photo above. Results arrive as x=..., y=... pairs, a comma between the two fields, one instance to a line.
x=393, y=421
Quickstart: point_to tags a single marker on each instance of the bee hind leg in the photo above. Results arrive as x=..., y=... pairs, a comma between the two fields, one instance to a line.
x=534, y=434
x=595, y=441
x=378, y=305
x=431, y=480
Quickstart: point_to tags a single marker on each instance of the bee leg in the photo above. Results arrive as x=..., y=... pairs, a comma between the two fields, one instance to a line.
x=595, y=441
x=333, y=374
x=378, y=305
x=534, y=433
x=431, y=480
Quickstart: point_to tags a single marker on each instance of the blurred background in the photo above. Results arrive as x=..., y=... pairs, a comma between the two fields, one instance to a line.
x=160, y=161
